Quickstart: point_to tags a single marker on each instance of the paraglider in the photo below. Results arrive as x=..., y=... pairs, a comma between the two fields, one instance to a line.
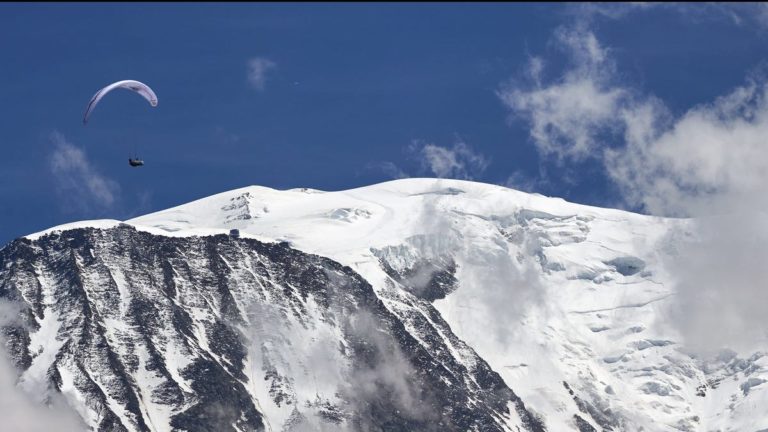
x=136, y=86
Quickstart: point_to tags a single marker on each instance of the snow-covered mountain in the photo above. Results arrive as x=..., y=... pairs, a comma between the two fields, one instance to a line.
x=411, y=305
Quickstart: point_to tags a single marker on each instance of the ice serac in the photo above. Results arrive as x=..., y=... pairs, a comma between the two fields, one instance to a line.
x=417, y=304
x=217, y=333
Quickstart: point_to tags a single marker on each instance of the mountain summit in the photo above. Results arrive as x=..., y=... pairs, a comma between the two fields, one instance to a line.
x=411, y=305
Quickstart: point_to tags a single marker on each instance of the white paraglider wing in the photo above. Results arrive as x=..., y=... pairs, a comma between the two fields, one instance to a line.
x=132, y=85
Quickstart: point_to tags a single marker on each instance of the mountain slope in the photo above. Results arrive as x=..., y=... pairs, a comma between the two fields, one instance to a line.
x=446, y=294
x=214, y=333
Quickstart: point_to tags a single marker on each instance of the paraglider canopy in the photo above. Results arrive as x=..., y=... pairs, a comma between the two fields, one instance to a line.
x=136, y=86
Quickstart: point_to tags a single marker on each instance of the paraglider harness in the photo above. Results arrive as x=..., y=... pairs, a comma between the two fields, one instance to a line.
x=134, y=160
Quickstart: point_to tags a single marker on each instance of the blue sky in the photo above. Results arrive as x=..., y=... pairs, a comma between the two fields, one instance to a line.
x=335, y=96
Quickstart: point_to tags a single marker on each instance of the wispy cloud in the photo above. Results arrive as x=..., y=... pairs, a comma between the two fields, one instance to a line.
x=459, y=161
x=80, y=187
x=743, y=14
x=503, y=285
x=389, y=169
x=258, y=70
x=19, y=410
x=386, y=377
x=710, y=163
x=666, y=165
x=567, y=116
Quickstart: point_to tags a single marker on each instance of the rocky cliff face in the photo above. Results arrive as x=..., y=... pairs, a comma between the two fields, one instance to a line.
x=147, y=333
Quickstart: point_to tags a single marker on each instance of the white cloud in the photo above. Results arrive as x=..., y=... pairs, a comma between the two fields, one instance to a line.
x=586, y=12
x=719, y=275
x=19, y=411
x=506, y=286
x=458, y=162
x=743, y=14
x=390, y=169
x=714, y=153
x=710, y=163
x=567, y=116
x=258, y=69
x=386, y=376
x=79, y=185
x=668, y=166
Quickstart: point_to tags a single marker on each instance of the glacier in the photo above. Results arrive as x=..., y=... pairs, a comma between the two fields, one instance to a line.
x=415, y=304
